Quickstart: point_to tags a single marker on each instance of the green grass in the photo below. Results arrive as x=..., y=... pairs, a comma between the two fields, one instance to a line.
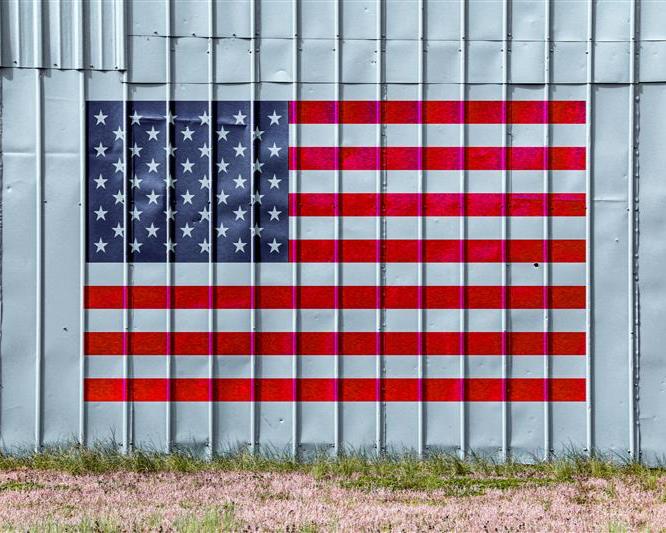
x=19, y=486
x=438, y=471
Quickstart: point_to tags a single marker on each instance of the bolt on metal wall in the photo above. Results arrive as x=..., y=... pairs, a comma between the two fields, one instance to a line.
x=63, y=62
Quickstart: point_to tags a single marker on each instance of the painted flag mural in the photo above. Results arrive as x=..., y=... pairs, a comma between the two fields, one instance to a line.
x=333, y=235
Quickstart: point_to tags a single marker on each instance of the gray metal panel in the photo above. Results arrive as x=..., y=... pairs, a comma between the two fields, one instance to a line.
x=346, y=49
x=63, y=34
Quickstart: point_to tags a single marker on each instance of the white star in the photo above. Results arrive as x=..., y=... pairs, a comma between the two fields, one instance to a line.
x=240, y=245
x=240, y=182
x=275, y=246
x=136, y=246
x=205, y=151
x=205, y=246
x=101, y=118
x=205, y=118
x=256, y=198
x=222, y=134
x=256, y=166
x=205, y=182
x=187, y=166
x=222, y=198
x=275, y=118
x=101, y=149
x=170, y=181
x=274, y=150
x=187, y=230
x=136, y=182
x=118, y=230
x=136, y=214
x=120, y=134
x=275, y=214
x=170, y=150
x=120, y=166
x=100, y=245
x=222, y=166
x=152, y=230
x=187, y=133
x=119, y=197
x=187, y=197
x=152, y=197
x=240, y=150
x=170, y=246
x=222, y=230
x=204, y=214
x=275, y=182
x=171, y=118
x=136, y=118
x=240, y=118
x=152, y=166
x=101, y=213
x=170, y=213
x=136, y=150
x=240, y=213
x=256, y=231
x=152, y=133
x=100, y=182
x=257, y=133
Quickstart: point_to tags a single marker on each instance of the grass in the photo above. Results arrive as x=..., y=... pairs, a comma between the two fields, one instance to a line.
x=438, y=471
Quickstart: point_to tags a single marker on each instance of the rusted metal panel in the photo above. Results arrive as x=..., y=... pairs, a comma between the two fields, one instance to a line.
x=65, y=61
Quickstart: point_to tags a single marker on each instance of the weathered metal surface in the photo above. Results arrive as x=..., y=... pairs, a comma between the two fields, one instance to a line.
x=609, y=54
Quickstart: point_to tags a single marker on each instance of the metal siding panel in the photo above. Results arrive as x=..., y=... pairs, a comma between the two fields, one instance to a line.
x=350, y=50
x=62, y=259
x=652, y=249
x=17, y=394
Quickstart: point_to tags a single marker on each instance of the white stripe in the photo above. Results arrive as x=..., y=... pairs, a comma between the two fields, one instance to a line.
x=440, y=181
x=323, y=274
x=321, y=320
x=321, y=366
x=437, y=134
x=440, y=227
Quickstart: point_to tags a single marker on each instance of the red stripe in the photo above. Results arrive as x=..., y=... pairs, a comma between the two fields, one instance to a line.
x=438, y=112
x=436, y=158
x=438, y=251
x=437, y=204
x=325, y=389
x=324, y=343
x=348, y=297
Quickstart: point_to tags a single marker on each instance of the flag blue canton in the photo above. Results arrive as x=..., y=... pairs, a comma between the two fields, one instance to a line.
x=170, y=186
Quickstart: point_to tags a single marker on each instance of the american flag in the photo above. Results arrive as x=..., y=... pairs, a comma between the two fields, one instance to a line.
x=359, y=220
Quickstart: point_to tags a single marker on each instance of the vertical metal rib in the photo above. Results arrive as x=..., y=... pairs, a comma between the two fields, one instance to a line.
x=253, y=270
x=169, y=232
x=37, y=33
x=212, y=239
x=19, y=32
x=547, y=438
x=462, y=228
x=506, y=42
x=39, y=254
x=100, y=36
x=420, y=443
x=83, y=238
x=295, y=279
x=381, y=233
x=589, y=236
x=127, y=430
x=336, y=229
x=632, y=262
x=58, y=20
x=121, y=34
x=79, y=28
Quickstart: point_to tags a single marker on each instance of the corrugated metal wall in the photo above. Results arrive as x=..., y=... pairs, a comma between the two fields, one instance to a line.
x=57, y=55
